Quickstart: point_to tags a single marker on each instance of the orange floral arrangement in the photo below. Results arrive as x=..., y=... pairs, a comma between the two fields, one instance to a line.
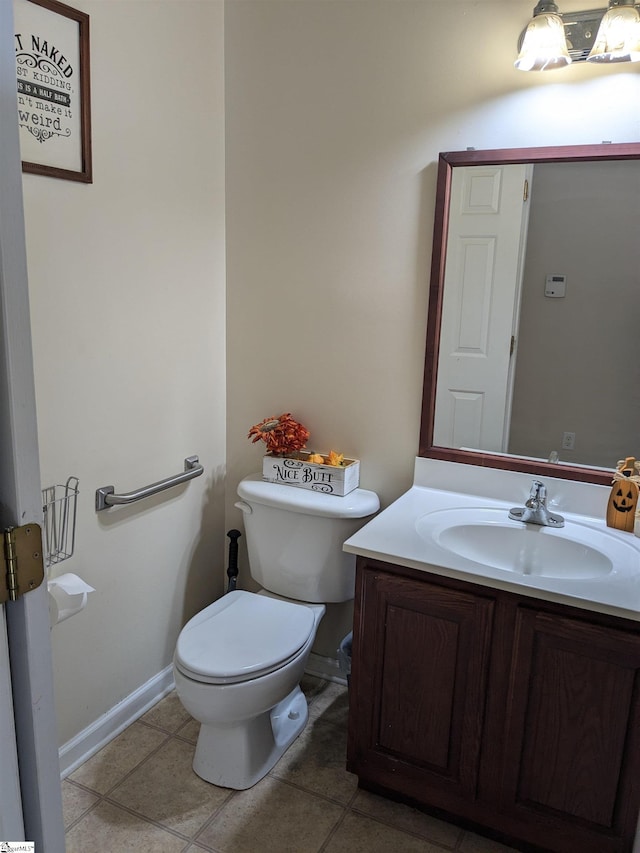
x=281, y=435
x=284, y=436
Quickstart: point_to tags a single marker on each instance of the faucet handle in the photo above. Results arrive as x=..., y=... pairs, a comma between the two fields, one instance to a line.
x=538, y=491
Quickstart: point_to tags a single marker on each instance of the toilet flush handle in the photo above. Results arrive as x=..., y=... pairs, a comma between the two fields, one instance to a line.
x=244, y=507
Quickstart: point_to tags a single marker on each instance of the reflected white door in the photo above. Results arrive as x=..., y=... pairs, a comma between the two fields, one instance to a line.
x=30, y=799
x=487, y=224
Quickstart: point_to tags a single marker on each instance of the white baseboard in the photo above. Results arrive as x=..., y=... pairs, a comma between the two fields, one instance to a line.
x=327, y=668
x=85, y=744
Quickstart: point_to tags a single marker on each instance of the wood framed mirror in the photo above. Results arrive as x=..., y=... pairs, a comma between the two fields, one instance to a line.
x=554, y=290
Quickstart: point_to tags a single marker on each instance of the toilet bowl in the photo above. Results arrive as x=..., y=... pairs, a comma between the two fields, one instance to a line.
x=238, y=663
x=237, y=668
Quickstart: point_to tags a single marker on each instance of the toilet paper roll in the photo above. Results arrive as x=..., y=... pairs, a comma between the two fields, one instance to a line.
x=67, y=596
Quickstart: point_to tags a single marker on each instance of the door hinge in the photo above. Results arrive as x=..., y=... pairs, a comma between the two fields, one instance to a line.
x=513, y=345
x=525, y=192
x=22, y=560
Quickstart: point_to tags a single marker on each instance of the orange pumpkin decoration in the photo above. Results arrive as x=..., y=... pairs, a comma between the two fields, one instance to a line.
x=623, y=500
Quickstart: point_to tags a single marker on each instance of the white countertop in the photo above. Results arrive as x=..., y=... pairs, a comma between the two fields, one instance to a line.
x=392, y=536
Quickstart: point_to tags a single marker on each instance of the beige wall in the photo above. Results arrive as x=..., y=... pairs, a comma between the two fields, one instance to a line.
x=336, y=112
x=127, y=297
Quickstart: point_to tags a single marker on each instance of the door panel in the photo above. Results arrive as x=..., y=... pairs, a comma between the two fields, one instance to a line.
x=481, y=298
x=427, y=658
x=417, y=711
x=574, y=725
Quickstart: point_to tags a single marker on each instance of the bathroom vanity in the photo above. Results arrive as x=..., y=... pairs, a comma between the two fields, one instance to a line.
x=495, y=661
x=507, y=698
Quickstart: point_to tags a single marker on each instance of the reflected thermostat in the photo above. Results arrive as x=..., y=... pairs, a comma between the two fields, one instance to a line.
x=555, y=285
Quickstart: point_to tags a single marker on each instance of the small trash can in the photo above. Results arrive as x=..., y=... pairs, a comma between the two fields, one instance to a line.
x=344, y=656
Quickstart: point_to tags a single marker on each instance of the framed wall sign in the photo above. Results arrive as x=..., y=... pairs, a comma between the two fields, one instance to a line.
x=54, y=105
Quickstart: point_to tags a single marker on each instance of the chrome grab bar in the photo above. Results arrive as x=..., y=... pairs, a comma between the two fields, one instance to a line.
x=105, y=496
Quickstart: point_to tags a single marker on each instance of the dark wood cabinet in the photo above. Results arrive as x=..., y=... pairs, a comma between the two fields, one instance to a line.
x=507, y=712
x=425, y=658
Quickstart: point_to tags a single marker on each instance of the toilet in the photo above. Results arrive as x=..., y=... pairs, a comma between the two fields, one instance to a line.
x=238, y=663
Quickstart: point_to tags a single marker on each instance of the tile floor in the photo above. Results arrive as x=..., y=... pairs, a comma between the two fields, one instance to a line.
x=139, y=794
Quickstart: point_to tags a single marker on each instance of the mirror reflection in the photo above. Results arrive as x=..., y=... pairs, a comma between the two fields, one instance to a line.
x=536, y=344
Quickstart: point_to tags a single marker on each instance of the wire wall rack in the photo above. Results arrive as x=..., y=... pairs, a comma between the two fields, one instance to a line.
x=59, y=529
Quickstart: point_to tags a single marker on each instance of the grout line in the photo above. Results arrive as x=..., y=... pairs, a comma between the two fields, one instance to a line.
x=184, y=739
x=145, y=819
x=210, y=820
x=86, y=811
x=333, y=831
x=121, y=779
x=437, y=845
x=309, y=791
x=142, y=761
x=162, y=729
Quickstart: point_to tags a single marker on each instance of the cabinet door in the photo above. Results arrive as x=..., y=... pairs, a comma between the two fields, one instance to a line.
x=572, y=741
x=418, y=681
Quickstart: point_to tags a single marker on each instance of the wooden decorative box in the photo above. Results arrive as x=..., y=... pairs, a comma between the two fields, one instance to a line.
x=295, y=470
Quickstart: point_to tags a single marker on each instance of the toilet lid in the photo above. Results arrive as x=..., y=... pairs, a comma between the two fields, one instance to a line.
x=241, y=636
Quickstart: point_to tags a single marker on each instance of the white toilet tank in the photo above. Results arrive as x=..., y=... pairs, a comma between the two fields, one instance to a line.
x=295, y=538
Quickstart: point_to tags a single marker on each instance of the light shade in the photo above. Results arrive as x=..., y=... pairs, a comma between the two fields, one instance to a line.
x=544, y=46
x=618, y=38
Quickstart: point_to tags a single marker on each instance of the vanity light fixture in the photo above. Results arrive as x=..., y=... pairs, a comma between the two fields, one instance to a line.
x=554, y=40
x=544, y=45
x=618, y=38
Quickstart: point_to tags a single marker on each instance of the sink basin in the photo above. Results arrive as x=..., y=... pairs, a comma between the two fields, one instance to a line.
x=489, y=537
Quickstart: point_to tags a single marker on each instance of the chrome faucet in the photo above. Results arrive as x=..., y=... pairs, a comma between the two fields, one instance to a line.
x=535, y=509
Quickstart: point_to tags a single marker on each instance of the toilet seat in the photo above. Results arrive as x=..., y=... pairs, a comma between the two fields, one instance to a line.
x=242, y=636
